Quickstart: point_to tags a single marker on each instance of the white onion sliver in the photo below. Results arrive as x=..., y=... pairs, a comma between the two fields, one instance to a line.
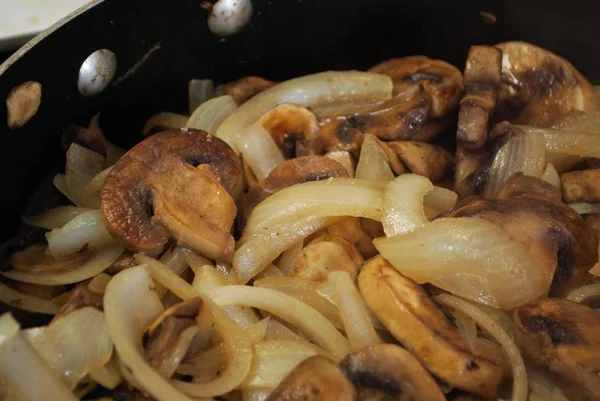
x=287, y=257
x=82, y=166
x=26, y=302
x=86, y=229
x=373, y=164
x=403, y=200
x=95, y=185
x=108, y=376
x=209, y=115
x=96, y=264
x=551, y=175
x=60, y=182
x=259, y=150
x=199, y=91
x=166, y=120
x=585, y=208
x=438, y=201
x=576, y=143
x=469, y=257
x=518, y=366
x=582, y=294
x=311, y=90
x=55, y=218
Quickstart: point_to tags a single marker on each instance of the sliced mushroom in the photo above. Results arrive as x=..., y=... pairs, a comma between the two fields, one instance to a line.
x=325, y=254
x=431, y=161
x=581, y=186
x=552, y=232
x=565, y=337
x=316, y=379
x=419, y=324
x=539, y=86
x=155, y=192
x=338, y=133
x=351, y=229
x=22, y=103
x=345, y=159
x=521, y=184
x=482, y=79
x=471, y=175
x=81, y=296
x=292, y=127
x=393, y=370
x=244, y=88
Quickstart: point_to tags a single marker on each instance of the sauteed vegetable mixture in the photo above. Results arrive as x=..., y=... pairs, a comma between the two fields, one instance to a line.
x=317, y=239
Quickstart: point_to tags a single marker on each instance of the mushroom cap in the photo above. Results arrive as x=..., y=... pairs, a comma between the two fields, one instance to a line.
x=565, y=337
x=540, y=86
x=155, y=191
x=581, y=186
x=431, y=161
x=292, y=127
x=316, y=379
x=393, y=370
x=244, y=88
x=520, y=184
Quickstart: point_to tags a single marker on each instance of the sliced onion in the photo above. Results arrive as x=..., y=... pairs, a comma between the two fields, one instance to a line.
x=344, y=158
x=75, y=344
x=95, y=185
x=519, y=392
x=469, y=257
x=82, y=166
x=55, y=218
x=542, y=386
x=24, y=374
x=86, y=229
x=576, y=143
x=164, y=120
x=439, y=201
x=199, y=91
x=467, y=328
x=583, y=294
x=270, y=271
x=237, y=345
x=209, y=115
x=287, y=258
x=113, y=152
x=332, y=87
x=305, y=291
x=353, y=312
x=60, y=182
x=27, y=302
x=96, y=264
x=584, y=122
x=373, y=164
x=206, y=365
x=98, y=284
x=522, y=153
x=299, y=314
x=551, y=175
x=259, y=150
x=585, y=208
x=274, y=360
x=278, y=331
x=256, y=395
x=108, y=376
x=403, y=200
x=170, y=363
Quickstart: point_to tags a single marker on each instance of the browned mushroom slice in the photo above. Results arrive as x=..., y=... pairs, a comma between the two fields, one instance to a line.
x=316, y=379
x=155, y=191
x=81, y=296
x=351, y=229
x=539, y=85
x=325, y=254
x=482, y=79
x=293, y=128
x=581, y=186
x=338, y=133
x=244, y=88
x=565, y=337
x=469, y=165
x=419, y=324
x=391, y=369
x=521, y=184
x=431, y=161
x=125, y=261
x=22, y=103
x=563, y=245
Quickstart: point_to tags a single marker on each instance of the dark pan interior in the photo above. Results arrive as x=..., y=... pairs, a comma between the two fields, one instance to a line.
x=284, y=39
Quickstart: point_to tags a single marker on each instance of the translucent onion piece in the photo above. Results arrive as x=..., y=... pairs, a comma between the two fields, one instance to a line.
x=55, y=218
x=130, y=305
x=258, y=251
x=98, y=284
x=576, y=143
x=518, y=366
x=305, y=291
x=60, y=182
x=75, y=344
x=373, y=164
x=27, y=302
x=24, y=374
x=113, y=152
x=108, y=376
x=209, y=115
x=259, y=150
x=273, y=360
x=344, y=158
x=522, y=153
x=206, y=365
x=270, y=271
x=551, y=175
x=199, y=91
x=169, y=364
x=467, y=328
x=256, y=395
x=438, y=201
x=86, y=229
x=299, y=314
x=353, y=312
x=403, y=200
x=585, y=293
x=469, y=257
x=585, y=208
x=237, y=346
x=164, y=120
x=82, y=166
x=584, y=122
x=287, y=257
x=542, y=386
x=96, y=264
x=95, y=185
x=332, y=87
x=277, y=331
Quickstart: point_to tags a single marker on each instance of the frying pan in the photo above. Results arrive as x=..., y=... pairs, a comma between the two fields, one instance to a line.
x=160, y=45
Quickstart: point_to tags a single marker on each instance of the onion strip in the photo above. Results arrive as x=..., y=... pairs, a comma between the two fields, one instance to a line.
x=55, y=218
x=373, y=164
x=576, y=143
x=27, y=302
x=259, y=150
x=403, y=204
x=585, y=293
x=210, y=114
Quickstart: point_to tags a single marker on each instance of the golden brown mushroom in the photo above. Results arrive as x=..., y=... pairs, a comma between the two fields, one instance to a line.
x=521, y=184
x=393, y=370
x=155, y=191
x=324, y=254
x=81, y=296
x=351, y=229
x=244, y=88
x=22, y=103
x=431, y=161
x=581, y=186
x=292, y=127
x=419, y=324
x=316, y=379
x=338, y=133
x=565, y=337
x=564, y=246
